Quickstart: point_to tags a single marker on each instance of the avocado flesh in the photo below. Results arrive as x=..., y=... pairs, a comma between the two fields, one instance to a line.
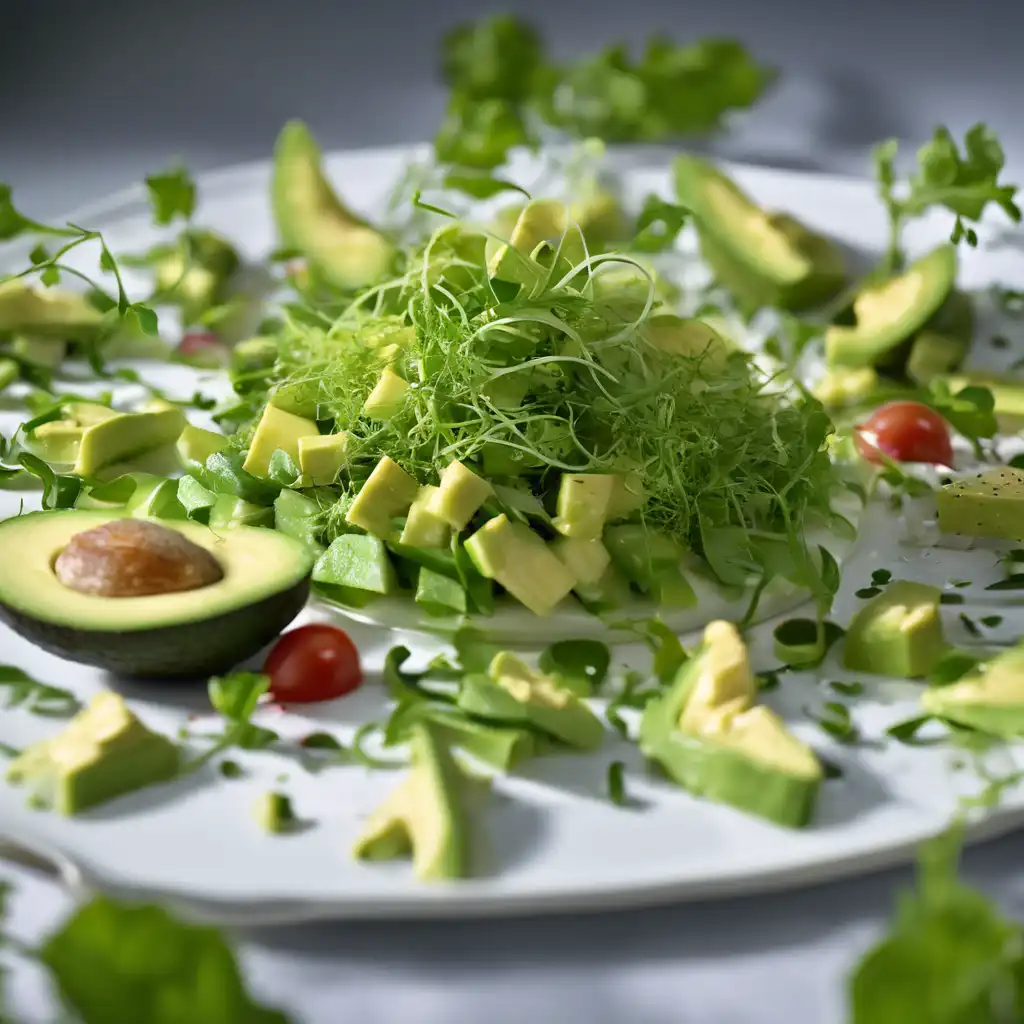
x=425, y=815
x=501, y=747
x=583, y=504
x=991, y=699
x=185, y=635
x=761, y=258
x=422, y=528
x=322, y=457
x=525, y=699
x=51, y=311
x=459, y=496
x=515, y=557
x=708, y=735
x=897, y=633
x=101, y=754
x=122, y=438
x=889, y=312
x=388, y=492
x=988, y=505
x=277, y=430
x=341, y=247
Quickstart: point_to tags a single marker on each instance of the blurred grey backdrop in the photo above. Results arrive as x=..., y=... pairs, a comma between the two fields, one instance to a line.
x=97, y=93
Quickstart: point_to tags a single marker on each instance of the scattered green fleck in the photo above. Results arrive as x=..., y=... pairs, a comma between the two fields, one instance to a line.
x=231, y=769
x=617, y=784
x=867, y=592
x=991, y=621
x=969, y=624
x=847, y=689
x=951, y=599
x=836, y=720
x=880, y=577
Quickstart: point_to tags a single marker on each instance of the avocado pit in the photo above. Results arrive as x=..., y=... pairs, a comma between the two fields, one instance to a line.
x=134, y=558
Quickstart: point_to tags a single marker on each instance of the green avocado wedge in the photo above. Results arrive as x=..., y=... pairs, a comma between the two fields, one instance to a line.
x=104, y=752
x=341, y=247
x=46, y=311
x=990, y=699
x=887, y=313
x=705, y=733
x=189, y=634
x=762, y=258
x=512, y=694
x=425, y=816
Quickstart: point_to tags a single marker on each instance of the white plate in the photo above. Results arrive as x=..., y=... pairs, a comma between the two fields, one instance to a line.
x=548, y=839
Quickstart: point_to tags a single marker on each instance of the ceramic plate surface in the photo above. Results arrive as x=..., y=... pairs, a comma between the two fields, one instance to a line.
x=547, y=838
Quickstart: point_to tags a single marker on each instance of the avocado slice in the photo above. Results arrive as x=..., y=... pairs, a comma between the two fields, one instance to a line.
x=183, y=635
x=118, y=439
x=887, y=313
x=991, y=698
x=426, y=815
x=46, y=353
x=8, y=373
x=387, y=492
x=104, y=752
x=897, y=633
x=990, y=504
x=195, y=445
x=277, y=430
x=514, y=556
x=49, y=311
x=706, y=732
x=942, y=344
x=583, y=504
x=501, y=747
x=587, y=560
x=424, y=529
x=387, y=398
x=322, y=457
x=762, y=258
x=513, y=694
x=458, y=496
x=341, y=247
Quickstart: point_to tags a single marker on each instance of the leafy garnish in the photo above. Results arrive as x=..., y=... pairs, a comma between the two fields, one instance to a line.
x=964, y=183
x=617, y=784
x=579, y=665
x=658, y=225
x=236, y=697
x=171, y=194
x=906, y=732
x=835, y=719
x=39, y=698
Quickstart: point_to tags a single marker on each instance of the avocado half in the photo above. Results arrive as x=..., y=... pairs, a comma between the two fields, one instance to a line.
x=186, y=635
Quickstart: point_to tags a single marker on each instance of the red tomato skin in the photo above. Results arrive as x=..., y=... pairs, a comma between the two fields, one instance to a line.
x=313, y=663
x=905, y=432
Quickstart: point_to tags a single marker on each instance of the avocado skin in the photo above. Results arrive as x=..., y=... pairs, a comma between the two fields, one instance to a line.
x=192, y=650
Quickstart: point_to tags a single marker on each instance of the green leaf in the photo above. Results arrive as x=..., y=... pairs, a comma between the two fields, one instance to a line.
x=835, y=719
x=474, y=652
x=494, y=58
x=58, y=491
x=35, y=697
x=236, y=695
x=481, y=186
x=668, y=650
x=1015, y=581
x=906, y=732
x=418, y=202
x=951, y=957
x=282, y=469
x=146, y=318
x=658, y=225
x=580, y=665
x=171, y=194
x=117, y=964
x=478, y=134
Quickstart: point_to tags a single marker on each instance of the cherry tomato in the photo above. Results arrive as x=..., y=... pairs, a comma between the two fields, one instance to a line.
x=906, y=432
x=313, y=663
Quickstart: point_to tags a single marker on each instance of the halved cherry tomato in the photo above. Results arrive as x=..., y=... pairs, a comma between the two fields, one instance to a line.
x=313, y=663
x=906, y=432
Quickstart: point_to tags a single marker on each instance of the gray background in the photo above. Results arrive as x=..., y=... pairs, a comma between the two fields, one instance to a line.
x=97, y=94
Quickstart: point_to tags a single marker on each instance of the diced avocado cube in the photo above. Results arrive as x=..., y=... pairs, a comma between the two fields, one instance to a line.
x=627, y=497
x=990, y=698
x=56, y=442
x=897, y=633
x=47, y=353
x=706, y=733
x=298, y=516
x=424, y=529
x=196, y=499
x=459, y=496
x=516, y=558
x=102, y=753
x=123, y=437
x=195, y=445
x=425, y=815
x=155, y=496
x=587, y=560
x=640, y=553
x=990, y=504
x=277, y=431
x=583, y=504
x=274, y=814
x=357, y=567
x=842, y=386
x=229, y=511
x=253, y=355
x=387, y=397
x=322, y=457
x=438, y=594
x=8, y=373
x=387, y=492
x=538, y=221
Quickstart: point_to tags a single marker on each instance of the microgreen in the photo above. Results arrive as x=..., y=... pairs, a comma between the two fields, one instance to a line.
x=834, y=718
x=38, y=698
x=171, y=194
x=236, y=697
x=579, y=665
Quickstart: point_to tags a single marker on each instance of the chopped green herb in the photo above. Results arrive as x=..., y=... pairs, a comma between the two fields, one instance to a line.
x=969, y=624
x=999, y=341
x=880, y=577
x=171, y=194
x=991, y=621
x=951, y=599
x=847, y=689
x=768, y=681
x=33, y=696
x=867, y=592
x=835, y=719
x=580, y=665
x=830, y=768
x=1013, y=582
x=231, y=769
x=321, y=741
x=617, y=784
x=906, y=732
